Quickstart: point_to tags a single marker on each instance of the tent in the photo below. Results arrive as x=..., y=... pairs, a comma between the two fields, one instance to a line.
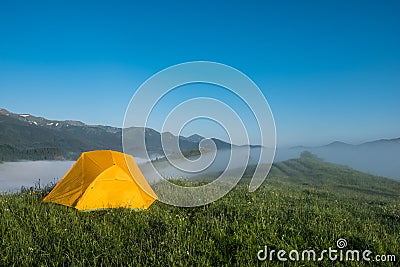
x=103, y=179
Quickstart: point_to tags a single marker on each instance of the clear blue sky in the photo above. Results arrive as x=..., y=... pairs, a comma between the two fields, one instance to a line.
x=329, y=69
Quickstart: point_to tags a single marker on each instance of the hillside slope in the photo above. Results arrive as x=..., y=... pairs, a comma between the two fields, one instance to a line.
x=379, y=157
x=309, y=171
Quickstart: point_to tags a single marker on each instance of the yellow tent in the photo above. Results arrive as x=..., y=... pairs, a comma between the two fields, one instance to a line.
x=102, y=179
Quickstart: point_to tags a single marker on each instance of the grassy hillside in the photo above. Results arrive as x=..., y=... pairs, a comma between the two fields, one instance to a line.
x=304, y=204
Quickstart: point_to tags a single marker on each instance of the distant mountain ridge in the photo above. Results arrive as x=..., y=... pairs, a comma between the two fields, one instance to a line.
x=343, y=144
x=28, y=137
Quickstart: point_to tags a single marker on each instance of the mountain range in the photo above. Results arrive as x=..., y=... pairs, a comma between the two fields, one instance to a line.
x=27, y=137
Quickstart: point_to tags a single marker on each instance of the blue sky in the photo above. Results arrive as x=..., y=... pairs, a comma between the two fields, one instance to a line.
x=330, y=70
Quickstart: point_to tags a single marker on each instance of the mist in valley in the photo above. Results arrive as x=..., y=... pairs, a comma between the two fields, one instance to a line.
x=13, y=175
x=378, y=158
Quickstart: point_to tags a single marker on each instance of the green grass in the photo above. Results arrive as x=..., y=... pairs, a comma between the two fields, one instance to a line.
x=304, y=204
